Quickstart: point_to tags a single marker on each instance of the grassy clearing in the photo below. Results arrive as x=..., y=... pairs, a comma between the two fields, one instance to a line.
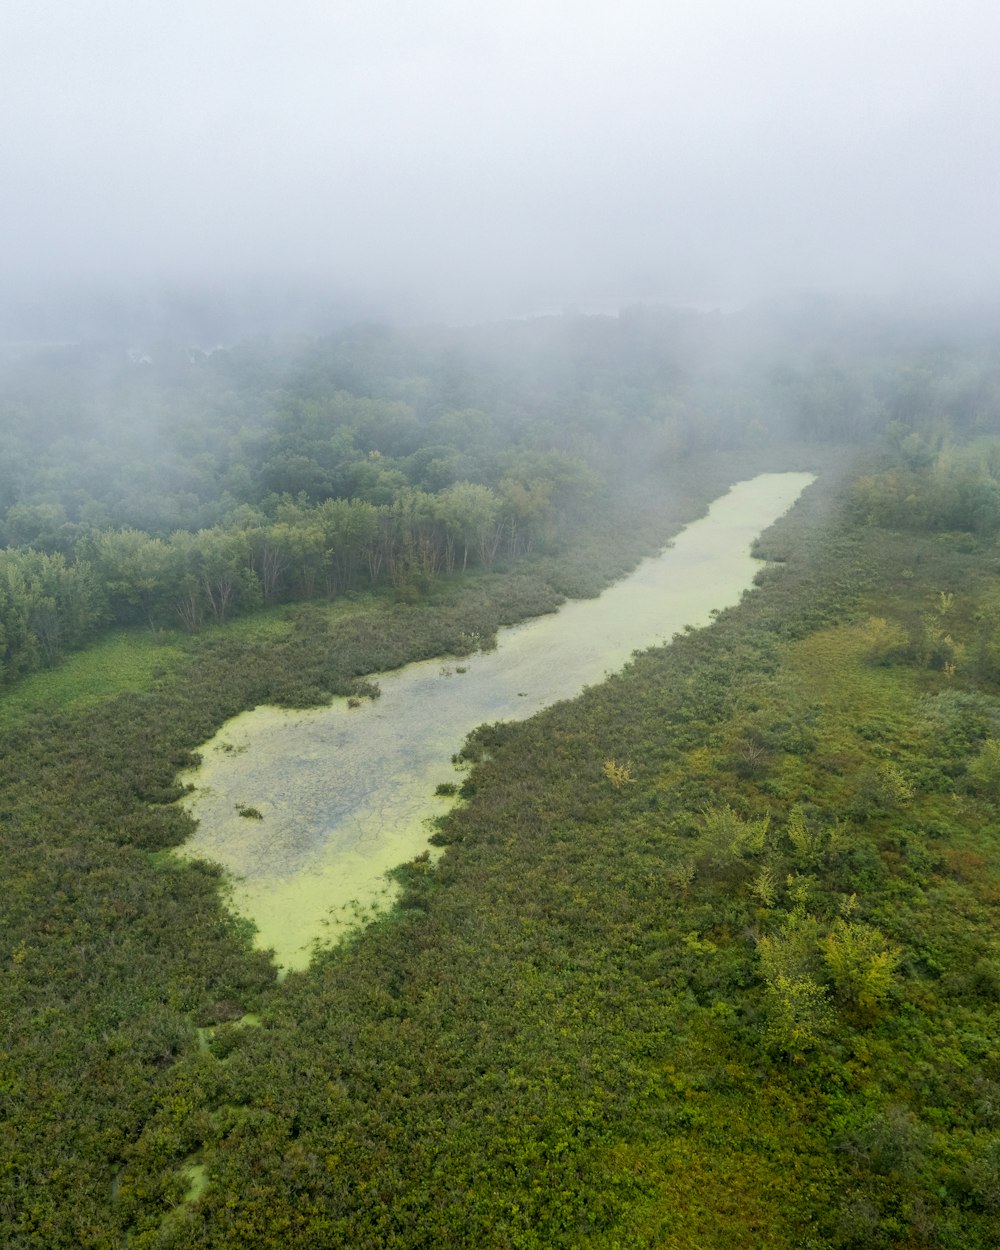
x=130, y=661
x=122, y=662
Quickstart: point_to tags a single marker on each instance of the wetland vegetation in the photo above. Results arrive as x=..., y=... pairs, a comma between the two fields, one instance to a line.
x=709, y=955
x=348, y=792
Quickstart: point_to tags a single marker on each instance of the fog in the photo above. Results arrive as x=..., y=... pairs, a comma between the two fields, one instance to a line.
x=460, y=160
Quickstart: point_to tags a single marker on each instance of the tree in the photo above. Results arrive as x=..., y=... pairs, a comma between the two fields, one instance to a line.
x=985, y=768
x=727, y=837
x=134, y=570
x=222, y=561
x=861, y=964
x=797, y=1007
x=351, y=531
x=470, y=516
x=19, y=642
x=47, y=605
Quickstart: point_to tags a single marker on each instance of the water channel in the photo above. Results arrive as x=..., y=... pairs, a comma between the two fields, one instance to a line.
x=344, y=794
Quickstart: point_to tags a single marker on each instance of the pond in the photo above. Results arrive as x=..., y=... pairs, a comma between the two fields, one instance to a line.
x=336, y=796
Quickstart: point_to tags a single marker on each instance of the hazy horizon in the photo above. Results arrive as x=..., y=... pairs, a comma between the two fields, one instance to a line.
x=461, y=162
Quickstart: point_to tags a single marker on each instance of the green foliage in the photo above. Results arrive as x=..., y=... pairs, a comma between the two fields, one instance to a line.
x=682, y=873
x=728, y=838
x=881, y=787
x=119, y=662
x=796, y=1006
x=797, y=1014
x=573, y=1031
x=984, y=770
x=792, y=952
x=812, y=842
x=764, y=887
x=953, y=489
x=885, y=641
x=861, y=965
x=618, y=774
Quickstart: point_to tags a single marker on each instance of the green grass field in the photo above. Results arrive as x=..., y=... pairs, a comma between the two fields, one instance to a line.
x=128, y=661
x=124, y=660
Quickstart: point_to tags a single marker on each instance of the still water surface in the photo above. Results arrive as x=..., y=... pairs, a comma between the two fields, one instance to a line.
x=345, y=793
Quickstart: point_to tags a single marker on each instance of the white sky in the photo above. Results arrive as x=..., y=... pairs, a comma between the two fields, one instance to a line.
x=451, y=150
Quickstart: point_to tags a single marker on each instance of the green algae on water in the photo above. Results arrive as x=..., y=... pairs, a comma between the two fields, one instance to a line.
x=344, y=795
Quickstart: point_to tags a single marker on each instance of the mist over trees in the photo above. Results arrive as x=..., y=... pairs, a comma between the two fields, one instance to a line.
x=176, y=487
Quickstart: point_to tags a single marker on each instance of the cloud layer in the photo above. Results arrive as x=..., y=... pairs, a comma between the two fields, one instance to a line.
x=463, y=156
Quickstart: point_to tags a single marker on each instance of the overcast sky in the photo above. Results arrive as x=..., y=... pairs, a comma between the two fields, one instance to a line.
x=471, y=153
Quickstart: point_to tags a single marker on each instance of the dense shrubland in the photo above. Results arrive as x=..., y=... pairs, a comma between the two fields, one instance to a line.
x=710, y=959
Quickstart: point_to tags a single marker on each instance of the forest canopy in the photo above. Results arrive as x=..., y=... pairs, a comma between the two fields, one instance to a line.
x=174, y=487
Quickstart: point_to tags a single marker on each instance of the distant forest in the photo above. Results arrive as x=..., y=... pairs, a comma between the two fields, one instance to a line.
x=176, y=487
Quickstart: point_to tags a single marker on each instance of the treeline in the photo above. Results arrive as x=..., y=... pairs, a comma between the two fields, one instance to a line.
x=92, y=436
x=176, y=488
x=51, y=603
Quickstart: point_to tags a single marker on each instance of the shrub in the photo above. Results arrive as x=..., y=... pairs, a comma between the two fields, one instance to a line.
x=861, y=965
